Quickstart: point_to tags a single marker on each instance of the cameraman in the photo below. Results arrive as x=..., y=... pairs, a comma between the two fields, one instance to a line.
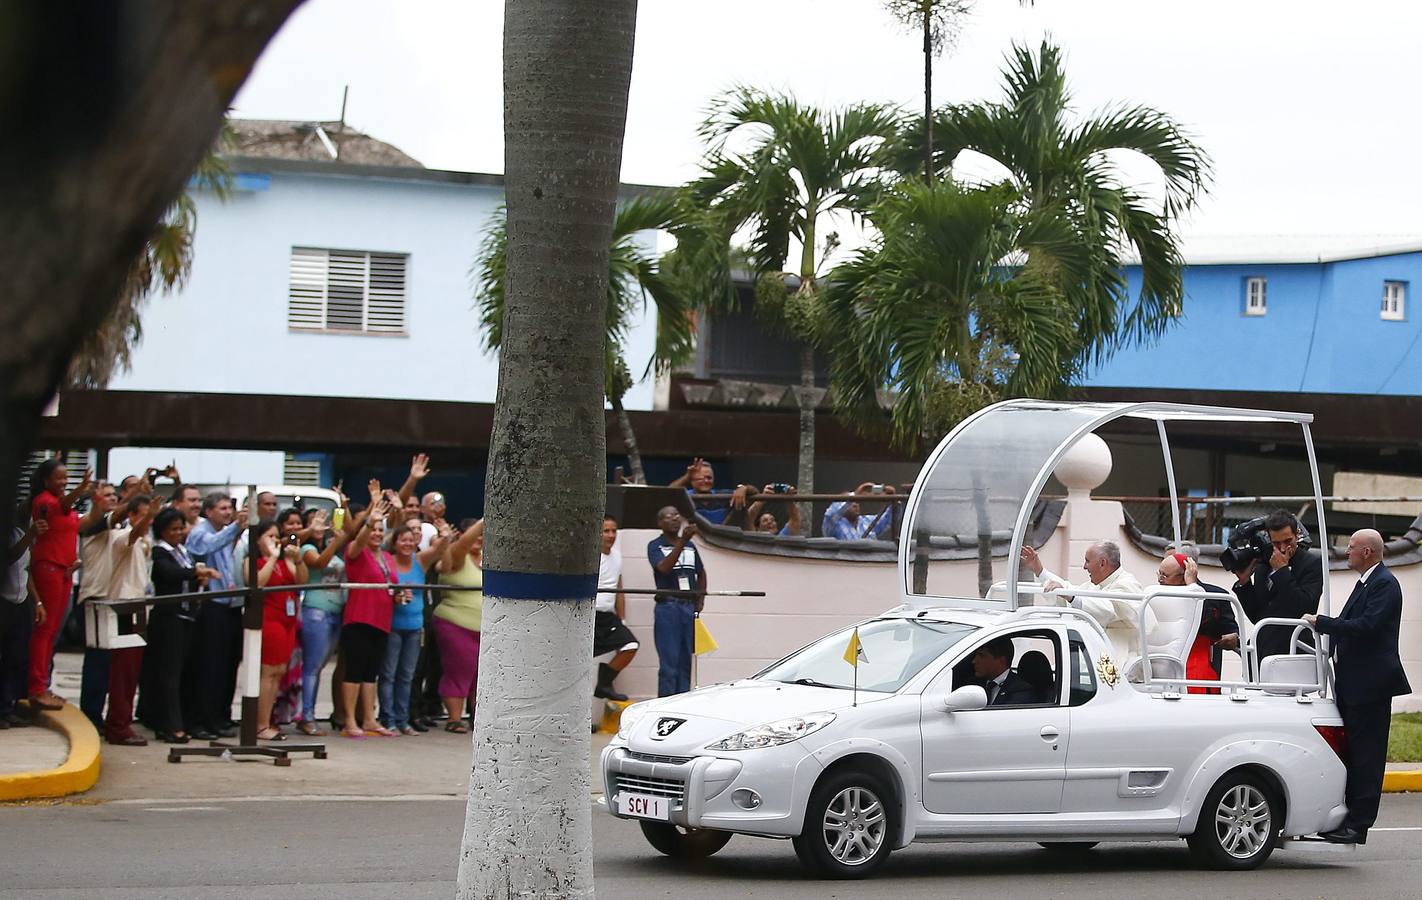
x=1288, y=585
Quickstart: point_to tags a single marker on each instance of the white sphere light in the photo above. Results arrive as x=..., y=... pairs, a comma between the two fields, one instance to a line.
x=1085, y=466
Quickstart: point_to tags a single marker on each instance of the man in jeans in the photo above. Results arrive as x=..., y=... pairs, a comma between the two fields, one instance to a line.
x=676, y=566
x=217, y=635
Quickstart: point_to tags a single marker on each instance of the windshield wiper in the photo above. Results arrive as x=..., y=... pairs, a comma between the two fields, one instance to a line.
x=813, y=683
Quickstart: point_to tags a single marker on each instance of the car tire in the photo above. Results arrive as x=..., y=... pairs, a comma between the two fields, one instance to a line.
x=1239, y=824
x=684, y=843
x=1065, y=847
x=851, y=823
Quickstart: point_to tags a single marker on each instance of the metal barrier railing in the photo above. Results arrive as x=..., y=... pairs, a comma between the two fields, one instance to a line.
x=894, y=525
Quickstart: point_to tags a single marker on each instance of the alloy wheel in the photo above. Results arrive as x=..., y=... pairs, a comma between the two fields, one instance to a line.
x=855, y=826
x=1243, y=820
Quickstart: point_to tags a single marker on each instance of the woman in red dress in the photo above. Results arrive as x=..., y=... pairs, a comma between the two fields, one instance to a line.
x=52, y=562
x=281, y=565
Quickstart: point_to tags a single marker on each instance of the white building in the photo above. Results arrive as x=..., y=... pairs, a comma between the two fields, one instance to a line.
x=338, y=267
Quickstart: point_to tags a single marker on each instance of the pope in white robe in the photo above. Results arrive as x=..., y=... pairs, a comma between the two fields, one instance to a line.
x=1119, y=617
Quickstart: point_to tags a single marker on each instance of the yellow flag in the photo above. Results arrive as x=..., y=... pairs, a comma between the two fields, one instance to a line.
x=704, y=642
x=854, y=653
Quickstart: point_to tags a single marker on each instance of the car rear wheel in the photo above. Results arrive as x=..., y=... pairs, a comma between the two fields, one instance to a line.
x=1238, y=824
x=1065, y=847
x=684, y=843
x=850, y=825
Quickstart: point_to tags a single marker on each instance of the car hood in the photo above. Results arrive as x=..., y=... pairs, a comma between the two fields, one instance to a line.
x=712, y=713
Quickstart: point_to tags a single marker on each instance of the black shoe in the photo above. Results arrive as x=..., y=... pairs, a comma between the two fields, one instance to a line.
x=1344, y=835
x=168, y=737
x=202, y=734
x=225, y=732
x=604, y=689
x=15, y=720
x=419, y=726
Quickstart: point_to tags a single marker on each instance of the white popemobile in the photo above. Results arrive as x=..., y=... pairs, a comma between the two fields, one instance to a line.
x=852, y=762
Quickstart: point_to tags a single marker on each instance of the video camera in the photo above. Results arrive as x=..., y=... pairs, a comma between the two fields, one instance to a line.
x=1250, y=541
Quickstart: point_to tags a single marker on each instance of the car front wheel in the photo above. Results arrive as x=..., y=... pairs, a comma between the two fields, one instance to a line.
x=1238, y=824
x=684, y=843
x=849, y=826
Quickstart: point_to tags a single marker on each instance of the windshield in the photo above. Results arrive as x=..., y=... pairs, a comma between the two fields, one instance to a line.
x=894, y=650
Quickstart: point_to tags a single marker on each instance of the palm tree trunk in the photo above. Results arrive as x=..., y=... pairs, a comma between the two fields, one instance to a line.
x=528, y=827
x=927, y=99
x=629, y=440
x=806, y=478
x=150, y=83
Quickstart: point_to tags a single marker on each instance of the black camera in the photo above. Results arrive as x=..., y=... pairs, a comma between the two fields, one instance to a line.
x=780, y=488
x=1250, y=541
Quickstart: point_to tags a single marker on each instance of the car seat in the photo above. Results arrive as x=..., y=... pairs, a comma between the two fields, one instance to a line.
x=1036, y=670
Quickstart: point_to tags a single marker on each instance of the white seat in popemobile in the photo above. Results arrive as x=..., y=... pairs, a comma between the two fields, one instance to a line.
x=1284, y=669
x=1177, y=621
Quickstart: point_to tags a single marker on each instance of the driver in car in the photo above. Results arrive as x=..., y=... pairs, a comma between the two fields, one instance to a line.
x=992, y=665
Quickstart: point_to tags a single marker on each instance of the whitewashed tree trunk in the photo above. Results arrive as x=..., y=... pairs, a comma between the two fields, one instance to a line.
x=528, y=827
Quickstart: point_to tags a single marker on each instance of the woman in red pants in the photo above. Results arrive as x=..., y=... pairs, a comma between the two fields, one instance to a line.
x=51, y=566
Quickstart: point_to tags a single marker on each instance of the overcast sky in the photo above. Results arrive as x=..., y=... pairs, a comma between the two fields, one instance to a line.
x=1306, y=107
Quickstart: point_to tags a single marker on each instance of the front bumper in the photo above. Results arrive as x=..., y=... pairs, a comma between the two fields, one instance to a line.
x=700, y=788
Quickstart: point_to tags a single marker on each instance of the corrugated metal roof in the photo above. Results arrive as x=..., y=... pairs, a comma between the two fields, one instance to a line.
x=1277, y=249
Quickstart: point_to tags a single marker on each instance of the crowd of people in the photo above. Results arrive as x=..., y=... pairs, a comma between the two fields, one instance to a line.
x=406, y=655
x=843, y=520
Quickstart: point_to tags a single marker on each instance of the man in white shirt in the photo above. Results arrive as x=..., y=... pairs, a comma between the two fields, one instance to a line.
x=95, y=568
x=613, y=641
x=1103, y=567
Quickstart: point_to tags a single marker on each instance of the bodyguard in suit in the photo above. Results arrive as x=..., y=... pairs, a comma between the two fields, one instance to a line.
x=1367, y=675
x=992, y=664
x=1287, y=585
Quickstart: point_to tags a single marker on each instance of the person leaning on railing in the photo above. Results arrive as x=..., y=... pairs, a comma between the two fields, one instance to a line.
x=711, y=503
x=761, y=520
x=844, y=521
x=457, y=621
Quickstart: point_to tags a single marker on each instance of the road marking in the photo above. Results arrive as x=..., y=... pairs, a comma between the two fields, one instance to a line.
x=289, y=798
x=182, y=809
x=1399, y=828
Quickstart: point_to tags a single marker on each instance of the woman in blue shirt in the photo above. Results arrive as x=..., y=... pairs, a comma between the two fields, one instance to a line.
x=402, y=650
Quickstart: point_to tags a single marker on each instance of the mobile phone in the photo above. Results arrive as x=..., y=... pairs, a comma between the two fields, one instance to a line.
x=876, y=488
x=293, y=539
x=338, y=518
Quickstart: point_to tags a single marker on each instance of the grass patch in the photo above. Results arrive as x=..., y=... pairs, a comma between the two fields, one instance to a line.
x=1404, y=741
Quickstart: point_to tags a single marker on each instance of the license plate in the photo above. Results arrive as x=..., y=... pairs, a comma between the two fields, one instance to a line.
x=644, y=806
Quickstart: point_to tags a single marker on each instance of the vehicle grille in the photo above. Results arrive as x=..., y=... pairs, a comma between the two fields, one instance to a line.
x=658, y=787
x=654, y=758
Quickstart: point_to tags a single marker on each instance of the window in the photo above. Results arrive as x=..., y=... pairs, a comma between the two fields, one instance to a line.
x=349, y=291
x=1083, y=674
x=894, y=650
x=1035, y=662
x=1394, y=300
x=1256, y=300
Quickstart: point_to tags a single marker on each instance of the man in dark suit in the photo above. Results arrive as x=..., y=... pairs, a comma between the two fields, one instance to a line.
x=992, y=664
x=1288, y=587
x=1368, y=674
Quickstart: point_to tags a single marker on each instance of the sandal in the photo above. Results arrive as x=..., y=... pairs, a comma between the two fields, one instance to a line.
x=271, y=734
x=381, y=731
x=408, y=731
x=456, y=728
x=355, y=735
x=310, y=729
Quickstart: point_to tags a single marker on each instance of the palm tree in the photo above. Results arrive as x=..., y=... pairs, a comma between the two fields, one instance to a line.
x=1055, y=162
x=633, y=276
x=939, y=21
x=802, y=166
x=162, y=266
x=528, y=826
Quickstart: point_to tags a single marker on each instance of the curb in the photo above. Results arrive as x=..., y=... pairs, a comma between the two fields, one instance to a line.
x=1399, y=782
x=77, y=774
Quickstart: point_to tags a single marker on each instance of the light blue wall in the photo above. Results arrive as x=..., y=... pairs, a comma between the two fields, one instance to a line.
x=1323, y=332
x=226, y=331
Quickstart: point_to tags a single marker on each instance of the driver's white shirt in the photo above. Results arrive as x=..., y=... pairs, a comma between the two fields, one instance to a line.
x=1118, y=617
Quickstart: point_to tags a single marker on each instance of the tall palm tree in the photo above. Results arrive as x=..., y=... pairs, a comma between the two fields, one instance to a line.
x=799, y=167
x=1054, y=161
x=938, y=21
x=528, y=826
x=633, y=276
x=162, y=266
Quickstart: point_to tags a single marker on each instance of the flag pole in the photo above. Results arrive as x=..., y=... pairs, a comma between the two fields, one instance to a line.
x=854, y=697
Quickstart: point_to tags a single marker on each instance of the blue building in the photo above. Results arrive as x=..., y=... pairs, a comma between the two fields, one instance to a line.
x=1287, y=315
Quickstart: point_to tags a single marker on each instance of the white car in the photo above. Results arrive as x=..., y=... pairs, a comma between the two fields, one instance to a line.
x=851, y=762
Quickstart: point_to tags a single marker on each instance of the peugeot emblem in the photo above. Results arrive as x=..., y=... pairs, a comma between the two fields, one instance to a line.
x=665, y=727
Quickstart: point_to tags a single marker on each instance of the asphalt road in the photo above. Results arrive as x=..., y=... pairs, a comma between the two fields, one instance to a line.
x=360, y=849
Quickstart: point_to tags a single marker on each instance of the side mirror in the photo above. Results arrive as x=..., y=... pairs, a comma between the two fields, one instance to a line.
x=969, y=696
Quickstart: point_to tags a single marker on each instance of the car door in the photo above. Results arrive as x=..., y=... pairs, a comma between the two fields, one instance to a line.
x=1001, y=759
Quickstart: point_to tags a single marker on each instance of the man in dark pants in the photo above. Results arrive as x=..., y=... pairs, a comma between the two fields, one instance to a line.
x=1287, y=586
x=676, y=566
x=1367, y=676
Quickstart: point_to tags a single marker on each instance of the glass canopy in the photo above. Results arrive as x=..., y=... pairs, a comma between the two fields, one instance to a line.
x=978, y=491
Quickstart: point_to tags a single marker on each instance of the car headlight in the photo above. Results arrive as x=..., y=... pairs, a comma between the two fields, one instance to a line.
x=631, y=716
x=774, y=734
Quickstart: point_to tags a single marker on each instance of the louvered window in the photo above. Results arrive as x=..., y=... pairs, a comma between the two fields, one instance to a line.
x=305, y=472
x=352, y=291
